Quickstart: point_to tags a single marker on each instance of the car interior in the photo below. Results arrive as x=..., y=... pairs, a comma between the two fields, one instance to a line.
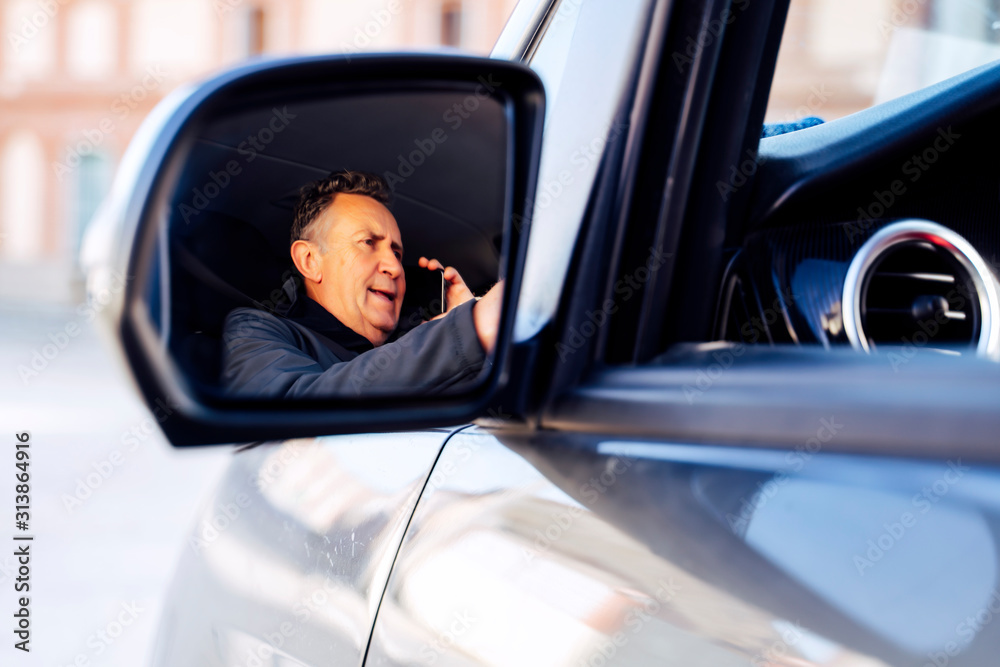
x=871, y=232
x=918, y=170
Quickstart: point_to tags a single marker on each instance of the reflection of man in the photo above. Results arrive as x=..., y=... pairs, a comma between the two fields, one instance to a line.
x=333, y=338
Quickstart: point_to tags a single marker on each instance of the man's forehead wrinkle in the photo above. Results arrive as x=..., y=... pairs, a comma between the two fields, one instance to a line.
x=349, y=216
x=378, y=229
x=380, y=237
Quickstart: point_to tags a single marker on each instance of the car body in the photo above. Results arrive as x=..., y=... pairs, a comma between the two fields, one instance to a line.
x=690, y=463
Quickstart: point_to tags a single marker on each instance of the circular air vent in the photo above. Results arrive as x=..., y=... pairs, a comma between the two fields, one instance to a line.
x=916, y=283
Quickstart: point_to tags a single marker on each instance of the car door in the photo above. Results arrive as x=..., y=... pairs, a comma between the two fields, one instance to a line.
x=648, y=486
x=288, y=557
x=691, y=500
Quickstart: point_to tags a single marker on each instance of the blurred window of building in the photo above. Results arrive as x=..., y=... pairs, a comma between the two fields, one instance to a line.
x=92, y=184
x=176, y=36
x=451, y=24
x=362, y=25
x=22, y=200
x=30, y=42
x=837, y=34
x=971, y=19
x=250, y=31
x=840, y=56
x=91, y=39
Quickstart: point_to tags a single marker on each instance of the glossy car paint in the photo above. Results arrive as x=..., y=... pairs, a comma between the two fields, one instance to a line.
x=590, y=549
x=288, y=560
x=597, y=551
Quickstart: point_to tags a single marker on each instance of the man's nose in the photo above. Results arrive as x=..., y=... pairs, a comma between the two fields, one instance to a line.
x=390, y=265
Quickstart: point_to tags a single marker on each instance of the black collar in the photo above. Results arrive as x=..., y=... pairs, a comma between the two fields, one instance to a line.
x=307, y=312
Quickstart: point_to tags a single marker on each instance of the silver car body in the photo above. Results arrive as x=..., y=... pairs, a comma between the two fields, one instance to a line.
x=480, y=546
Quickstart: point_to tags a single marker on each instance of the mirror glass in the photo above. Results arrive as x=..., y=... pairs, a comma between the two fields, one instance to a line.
x=348, y=311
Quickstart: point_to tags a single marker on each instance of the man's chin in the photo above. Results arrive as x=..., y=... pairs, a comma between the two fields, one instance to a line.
x=385, y=327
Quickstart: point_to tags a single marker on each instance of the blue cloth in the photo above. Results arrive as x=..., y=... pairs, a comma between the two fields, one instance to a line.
x=774, y=129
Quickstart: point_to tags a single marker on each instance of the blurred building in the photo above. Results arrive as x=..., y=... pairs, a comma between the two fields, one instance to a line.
x=839, y=56
x=78, y=76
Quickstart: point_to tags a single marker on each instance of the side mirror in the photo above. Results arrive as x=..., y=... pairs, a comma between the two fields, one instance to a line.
x=197, y=227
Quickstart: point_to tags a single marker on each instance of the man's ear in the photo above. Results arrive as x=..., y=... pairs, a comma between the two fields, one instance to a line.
x=305, y=255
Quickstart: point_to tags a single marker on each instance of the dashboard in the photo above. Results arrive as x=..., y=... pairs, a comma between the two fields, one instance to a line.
x=878, y=231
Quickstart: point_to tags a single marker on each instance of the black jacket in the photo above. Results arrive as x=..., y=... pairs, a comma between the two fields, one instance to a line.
x=308, y=353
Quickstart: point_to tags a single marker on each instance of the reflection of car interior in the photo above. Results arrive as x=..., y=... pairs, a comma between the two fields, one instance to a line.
x=876, y=230
x=231, y=212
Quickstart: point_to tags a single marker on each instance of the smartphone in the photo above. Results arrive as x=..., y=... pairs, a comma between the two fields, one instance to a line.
x=425, y=292
x=444, y=304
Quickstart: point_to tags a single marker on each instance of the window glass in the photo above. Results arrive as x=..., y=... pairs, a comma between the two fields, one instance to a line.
x=93, y=182
x=451, y=24
x=841, y=56
x=585, y=60
x=29, y=46
x=92, y=39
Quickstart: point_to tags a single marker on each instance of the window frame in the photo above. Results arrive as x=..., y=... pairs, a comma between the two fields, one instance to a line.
x=661, y=177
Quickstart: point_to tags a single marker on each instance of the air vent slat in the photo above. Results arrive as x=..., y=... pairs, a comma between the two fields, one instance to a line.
x=910, y=294
x=930, y=277
x=919, y=284
x=909, y=286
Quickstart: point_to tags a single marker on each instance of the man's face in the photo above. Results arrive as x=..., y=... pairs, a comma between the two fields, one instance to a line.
x=361, y=273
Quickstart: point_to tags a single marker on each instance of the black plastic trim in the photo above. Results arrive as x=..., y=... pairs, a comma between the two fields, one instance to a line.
x=798, y=166
x=902, y=403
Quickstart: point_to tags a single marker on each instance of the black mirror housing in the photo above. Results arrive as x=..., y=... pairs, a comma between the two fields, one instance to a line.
x=202, y=206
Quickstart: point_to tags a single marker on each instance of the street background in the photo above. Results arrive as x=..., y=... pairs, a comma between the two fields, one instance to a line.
x=106, y=535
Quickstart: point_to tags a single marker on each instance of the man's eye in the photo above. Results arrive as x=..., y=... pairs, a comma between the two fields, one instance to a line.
x=399, y=256
x=370, y=242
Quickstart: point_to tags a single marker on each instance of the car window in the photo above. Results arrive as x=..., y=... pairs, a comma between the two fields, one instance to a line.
x=841, y=56
x=585, y=59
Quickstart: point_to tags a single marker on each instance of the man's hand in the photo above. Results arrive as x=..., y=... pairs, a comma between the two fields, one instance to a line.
x=486, y=316
x=456, y=292
x=486, y=312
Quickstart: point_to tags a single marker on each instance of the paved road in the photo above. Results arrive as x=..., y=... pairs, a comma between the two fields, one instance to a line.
x=112, y=502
